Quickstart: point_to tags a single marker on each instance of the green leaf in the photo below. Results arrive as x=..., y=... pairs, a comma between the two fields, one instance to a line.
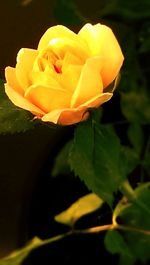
x=61, y=164
x=85, y=205
x=13, y=119
x=134, y=221
x=96, y=157
x=115, y=243
x=136, y=136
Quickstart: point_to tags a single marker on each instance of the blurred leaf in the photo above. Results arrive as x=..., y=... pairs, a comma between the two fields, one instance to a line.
x=85, y=205
x=127, y=10
x=135, y=106
x=144, y=38
x=135, y=218
x=136, y=136
x=131, y=157
x=126, y=260
x=17, y=257
x=61, y=165
x=146, y=163
x=67, y=13
x=146, y=159
x=96, y=157
x=145, y=46
x=134, y=9
x=115, y=243
x=13, y=119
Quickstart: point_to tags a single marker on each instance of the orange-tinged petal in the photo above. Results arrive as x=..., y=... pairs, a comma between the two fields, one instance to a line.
x=25, y=61
x=65, y=116
x=47, y=98
x=90, y=82
x=102, y=42
x=58, y=31
x=97, y=101
x=21, y=102
x=70, y=116
x=10, y=74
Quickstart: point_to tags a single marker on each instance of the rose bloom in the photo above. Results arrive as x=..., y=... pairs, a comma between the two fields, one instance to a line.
x=67, y=75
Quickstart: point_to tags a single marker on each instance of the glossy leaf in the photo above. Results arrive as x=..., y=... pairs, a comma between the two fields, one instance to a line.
x=96, y=157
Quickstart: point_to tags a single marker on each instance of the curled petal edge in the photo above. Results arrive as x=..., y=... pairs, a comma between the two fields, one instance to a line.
x=22, y=102
x=71, y=116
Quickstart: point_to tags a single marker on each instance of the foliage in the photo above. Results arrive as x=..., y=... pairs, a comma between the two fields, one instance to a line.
x=13, y=119
x=99, y=149
x=85, y=205
x=135, y=231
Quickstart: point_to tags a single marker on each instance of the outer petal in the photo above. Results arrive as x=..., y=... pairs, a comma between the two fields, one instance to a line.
x=21, y=102
x=102, y=42
x=10, y=74
x=48, y=98
x=58, y=31
x=75, y=115
x=25, y=61
x=90, y=82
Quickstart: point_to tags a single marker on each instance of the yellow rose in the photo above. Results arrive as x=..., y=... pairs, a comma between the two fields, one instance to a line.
x=66, y=75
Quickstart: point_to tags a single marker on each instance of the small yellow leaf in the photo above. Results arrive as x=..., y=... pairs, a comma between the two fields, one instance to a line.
x=82, y=206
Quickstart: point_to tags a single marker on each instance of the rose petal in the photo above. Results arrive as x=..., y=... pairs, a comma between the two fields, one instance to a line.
x=25, y=61
x=71, y=116
x=65, y=116
x=90, y=83
x=21, y=102
x=102, y=42
x=70, y=59
x=60, y=46
x=48, y=98
x=10, y=74
x=45, y=78
x=70, y=77
x=58, y=31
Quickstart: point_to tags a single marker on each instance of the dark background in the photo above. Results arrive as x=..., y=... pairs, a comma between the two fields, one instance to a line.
x=29, y=197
